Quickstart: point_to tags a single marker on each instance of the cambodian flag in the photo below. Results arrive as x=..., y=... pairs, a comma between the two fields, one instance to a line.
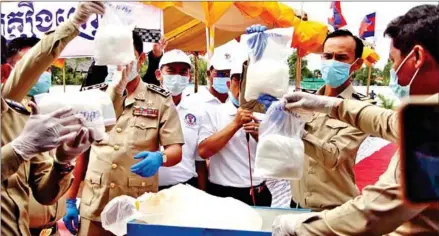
x=337, y=20
x=367, y=27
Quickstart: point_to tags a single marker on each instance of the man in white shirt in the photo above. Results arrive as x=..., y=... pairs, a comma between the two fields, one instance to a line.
x=174, y=74
x=228, y=137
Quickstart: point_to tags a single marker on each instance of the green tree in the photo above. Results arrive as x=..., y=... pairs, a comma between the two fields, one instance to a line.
x=202, y=70
x=362, y=75
x=306, y=73
x=387, y=103
x=386, y=73
x=73, y=73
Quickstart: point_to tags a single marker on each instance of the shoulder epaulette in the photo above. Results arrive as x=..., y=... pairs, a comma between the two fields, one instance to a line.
x=159, y=90
x=364, y=98
x=101, y=86
x=18, y=107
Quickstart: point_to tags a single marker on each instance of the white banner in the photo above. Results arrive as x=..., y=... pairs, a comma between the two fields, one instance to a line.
x=33, y=19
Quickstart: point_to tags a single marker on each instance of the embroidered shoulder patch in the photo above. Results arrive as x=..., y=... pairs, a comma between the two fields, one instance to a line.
x=159, y=90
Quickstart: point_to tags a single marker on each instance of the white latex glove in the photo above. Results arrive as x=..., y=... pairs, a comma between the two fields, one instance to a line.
x=120, y=78
x=285, y=225
x=311, y=102
x=85, y=10
x=43, y=133
x=67, y=153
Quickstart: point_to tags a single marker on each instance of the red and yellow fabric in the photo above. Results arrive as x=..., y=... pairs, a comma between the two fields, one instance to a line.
x=60, y=62
x=370, y=56
x=308, y=37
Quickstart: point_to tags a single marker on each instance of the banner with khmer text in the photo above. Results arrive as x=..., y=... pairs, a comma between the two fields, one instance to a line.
x=34, y=19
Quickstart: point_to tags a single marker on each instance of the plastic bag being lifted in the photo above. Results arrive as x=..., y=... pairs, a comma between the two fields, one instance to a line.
x=280, y=151
x=184, y=206
x=113, y=43
x=95, y=105
x=268, y=70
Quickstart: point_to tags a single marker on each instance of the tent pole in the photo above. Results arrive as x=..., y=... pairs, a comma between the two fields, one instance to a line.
x=298, y=71
x=368, y=80
x=196, y=72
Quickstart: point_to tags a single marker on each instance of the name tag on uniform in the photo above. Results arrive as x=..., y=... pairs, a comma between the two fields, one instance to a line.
x=145, y=111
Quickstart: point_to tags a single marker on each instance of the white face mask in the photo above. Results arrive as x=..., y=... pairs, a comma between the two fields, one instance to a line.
x=134, y=72
x=175, y=83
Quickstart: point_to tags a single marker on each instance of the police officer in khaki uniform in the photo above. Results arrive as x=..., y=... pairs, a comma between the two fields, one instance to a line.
x=331, y=146
x=23, y=168
x=147, y=118
x=381, y=210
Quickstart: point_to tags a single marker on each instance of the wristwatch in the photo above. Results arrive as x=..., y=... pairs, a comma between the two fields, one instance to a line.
x=165, y=158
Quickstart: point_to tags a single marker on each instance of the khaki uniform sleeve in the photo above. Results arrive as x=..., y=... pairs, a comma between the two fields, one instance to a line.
x=170, y=127
x=28, y=70
x=47, y=184
x=368, y=118
x=11, y=161
x=379, y=210
x=336, y=150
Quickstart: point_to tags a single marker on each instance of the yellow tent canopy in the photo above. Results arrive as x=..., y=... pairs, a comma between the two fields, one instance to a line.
x=185, y=22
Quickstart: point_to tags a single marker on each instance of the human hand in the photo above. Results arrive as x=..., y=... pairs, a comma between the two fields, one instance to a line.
x=311, y=102
x=158, y=48
x=43, y=133
x=256, y=29
x=150, y=164
x=68, y=152
x=242, y=116
x=266, y=100
x=284, y=225
x=85, y=10
x=71, y=218
x=252, y=127
x=120, y=78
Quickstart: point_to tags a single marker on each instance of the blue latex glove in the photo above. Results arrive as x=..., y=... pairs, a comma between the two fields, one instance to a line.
x=150, y=164
x=71, y=218
x=256, y=29
x=266, y=100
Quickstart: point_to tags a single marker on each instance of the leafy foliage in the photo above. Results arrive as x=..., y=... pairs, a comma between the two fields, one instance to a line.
x=306, y=73
x=202, y=70
x=384, y=102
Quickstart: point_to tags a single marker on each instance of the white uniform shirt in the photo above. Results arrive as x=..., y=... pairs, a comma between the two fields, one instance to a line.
x=190, y=111
x=229, y=167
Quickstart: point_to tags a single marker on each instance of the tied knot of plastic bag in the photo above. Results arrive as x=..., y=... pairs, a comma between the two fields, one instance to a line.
x=257, y=44
x=281, y=121
x=117, y=213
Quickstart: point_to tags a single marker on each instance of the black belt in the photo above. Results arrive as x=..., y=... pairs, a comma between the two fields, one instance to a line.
x=46, y=231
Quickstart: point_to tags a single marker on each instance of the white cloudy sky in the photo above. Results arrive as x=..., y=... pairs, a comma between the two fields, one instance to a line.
x=354, y=13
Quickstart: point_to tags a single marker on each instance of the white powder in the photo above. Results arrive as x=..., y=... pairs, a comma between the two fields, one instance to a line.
x=279, y=157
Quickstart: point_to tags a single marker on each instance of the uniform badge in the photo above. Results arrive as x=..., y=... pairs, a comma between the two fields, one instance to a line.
x=190, y=119
x=145, y=111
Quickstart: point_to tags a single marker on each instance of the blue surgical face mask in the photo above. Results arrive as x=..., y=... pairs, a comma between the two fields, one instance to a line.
x=400, y=91
x=233, y=100
x=335, y=73
x=220, y=84
x=175, y=83
x=43, y=85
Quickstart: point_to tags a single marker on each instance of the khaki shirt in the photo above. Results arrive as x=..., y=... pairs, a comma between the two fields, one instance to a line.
x=331, y=148
x=108, y=173
x=19, y=176
x=380, y=210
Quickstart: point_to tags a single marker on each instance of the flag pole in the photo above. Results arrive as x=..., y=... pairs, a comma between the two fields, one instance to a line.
x=64, y=75
x=299, y=58
x=368, y=80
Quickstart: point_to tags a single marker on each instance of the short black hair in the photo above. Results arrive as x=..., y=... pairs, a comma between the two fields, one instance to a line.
x=138, y=43
x=95, y=75
x=420, y=25
x=346, y=33
x=4, y=50
x=20, y=43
